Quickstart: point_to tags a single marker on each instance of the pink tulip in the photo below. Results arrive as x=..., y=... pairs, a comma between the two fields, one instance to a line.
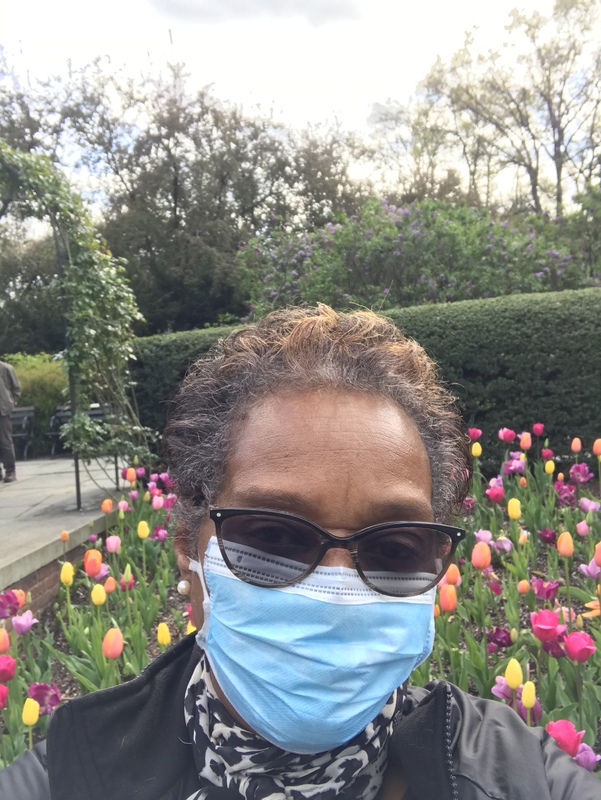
x=23, y=623
x=545, y=625
x=538, y=429
x=587, y=505
x=7, y=668
x=582, y=528
x=506, y=435
x=134, y=495
x=157, y=502
x=495, y=494
x=565, y=734
x=113, y=543
x=123, y=505
x=474, y=433
x=579, y=646
x=547, y=454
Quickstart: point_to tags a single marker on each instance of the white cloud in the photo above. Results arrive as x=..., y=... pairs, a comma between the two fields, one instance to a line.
x=316, y=12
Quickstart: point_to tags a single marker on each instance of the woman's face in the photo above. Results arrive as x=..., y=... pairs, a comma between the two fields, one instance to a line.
x=344, y=460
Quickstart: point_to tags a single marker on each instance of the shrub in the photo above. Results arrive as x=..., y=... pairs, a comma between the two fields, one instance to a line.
x=43, y=385
x=523, y=358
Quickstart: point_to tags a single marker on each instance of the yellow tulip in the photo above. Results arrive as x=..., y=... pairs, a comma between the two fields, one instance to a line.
x=514, y=508
x=549, y=467
x=514, y=635
x=513, y=674
x=190, y=628
x=579, y=622
x=476, y=450
x=67, y=573
x=146, y=497
x=98, y=595
x=528, y=695
x=143, y=529
x=31, y=712
x=163, y=635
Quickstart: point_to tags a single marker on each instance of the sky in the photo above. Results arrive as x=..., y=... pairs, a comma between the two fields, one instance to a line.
x=306, y=61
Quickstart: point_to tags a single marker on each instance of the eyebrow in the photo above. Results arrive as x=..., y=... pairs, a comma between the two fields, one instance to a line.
x=277, y=500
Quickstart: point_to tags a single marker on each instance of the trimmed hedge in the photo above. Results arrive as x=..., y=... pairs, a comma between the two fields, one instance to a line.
x=510, y=360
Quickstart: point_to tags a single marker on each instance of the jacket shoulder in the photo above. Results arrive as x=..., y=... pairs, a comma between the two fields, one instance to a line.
x=27, y=778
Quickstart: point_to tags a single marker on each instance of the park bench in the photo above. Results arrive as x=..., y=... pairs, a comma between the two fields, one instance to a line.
x=22, y=420
x=62, y=415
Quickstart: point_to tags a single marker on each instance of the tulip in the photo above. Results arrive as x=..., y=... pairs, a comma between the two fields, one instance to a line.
x=448, y=598
x=523, y=537
x=3, y=696
x=113, y=543
x=513, y=674
x=436, y=611
x=476, y=450
x=110, y=584
x=523, y=586
x=538, y=429
x=495, y=494
x=523, y=482
x=597, y=556
x=146, y=497
x=123, y=505
x=67, y=573
x=506, y=435
x=473, y=433
x=7, y=668
x=514, y=508
x=106, y=506
x=481, y=555
x=158, y=500
x=525, y=441
x=190, y=628
x=452, y=575
x=23, y=623
x=546, y=453
x=565, y=734
x=579, y=646
x=560, y=476
x=64, y=536
x=98, y=595
x=4, y=640
x=92, y=561
x=586, y=757
x=549, y=467
x=545, y=625
x=31, y=712
x=112, y=644
x=130, y=475
x=579, y=622
x=565, y=544
x=163, y=635
x=544, y=590
x=48, y=696
x=143, y=529
x=582, y=528
x=528, y=695
x=597, y=448
x=514, y=634
x=576, y=445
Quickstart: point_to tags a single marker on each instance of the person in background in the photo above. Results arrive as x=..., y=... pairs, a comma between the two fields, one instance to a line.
x=10, y=392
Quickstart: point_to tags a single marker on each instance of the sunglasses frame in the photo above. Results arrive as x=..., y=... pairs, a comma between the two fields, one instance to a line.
x=329, y=541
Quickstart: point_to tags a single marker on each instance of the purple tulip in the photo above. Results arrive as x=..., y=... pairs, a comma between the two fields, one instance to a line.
x=514, y=466
x=47, y=696
x=580, y=473
x=503, y=544
x=483, y=535
x=102, y=573
x=499, y=636
x=23, y=623
x=544, y=590
x=591, y=570
x=9, y=604
x=134, y=495
x=586, y=757
x=548, y=536
x=468, y=505
x=566, y=493
x=159, y=534
x=140, y=472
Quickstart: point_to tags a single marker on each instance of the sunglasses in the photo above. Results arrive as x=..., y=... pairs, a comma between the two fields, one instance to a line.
x=272, y=548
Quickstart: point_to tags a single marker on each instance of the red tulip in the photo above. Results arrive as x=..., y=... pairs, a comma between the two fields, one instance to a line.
x=565, y=734
x=579, y=646
x=545, y=625
x=7, y=668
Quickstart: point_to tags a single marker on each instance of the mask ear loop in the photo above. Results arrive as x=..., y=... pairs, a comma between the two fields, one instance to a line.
x=206, y=600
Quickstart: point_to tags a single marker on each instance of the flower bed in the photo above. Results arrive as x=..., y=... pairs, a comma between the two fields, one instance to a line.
x=517, y=619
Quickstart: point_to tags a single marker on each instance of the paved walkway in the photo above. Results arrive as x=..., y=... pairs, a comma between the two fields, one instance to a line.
x=42, y=503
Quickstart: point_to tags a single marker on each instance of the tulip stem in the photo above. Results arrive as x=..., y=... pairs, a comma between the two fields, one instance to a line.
x=528, y=722
x=579, y=693
x=567, y=566
x=30, y=738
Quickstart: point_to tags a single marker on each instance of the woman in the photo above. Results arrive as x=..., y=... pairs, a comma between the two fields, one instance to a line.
x=317, y=462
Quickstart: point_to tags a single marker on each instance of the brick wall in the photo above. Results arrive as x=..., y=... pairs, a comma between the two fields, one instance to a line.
x=44, y=583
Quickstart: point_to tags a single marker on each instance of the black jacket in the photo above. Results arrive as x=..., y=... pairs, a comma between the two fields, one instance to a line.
x=130, y=742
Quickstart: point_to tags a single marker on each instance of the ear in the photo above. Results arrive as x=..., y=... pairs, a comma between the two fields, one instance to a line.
x=180, y=548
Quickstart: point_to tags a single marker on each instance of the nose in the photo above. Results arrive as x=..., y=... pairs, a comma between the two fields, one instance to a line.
x=337, y=556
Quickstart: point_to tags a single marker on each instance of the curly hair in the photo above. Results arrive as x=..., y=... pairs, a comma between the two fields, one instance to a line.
x=296, y=349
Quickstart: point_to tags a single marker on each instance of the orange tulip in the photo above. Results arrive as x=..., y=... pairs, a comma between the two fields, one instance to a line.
x=92, y=561
x=436, y=610
x=576, y=445
x=21, y=597
x=560, y=476
x=448, y=597
x=4, y=640
x=130, y=475
x=112, y=644
x=597, y=555
x=106, y=506
x=597, y=448
x=565, y=544
x=64, y=536
x=523, y=586
x=523, y=482
x=110, y=584
x=525, y=441
x=481, y=555
x=452, y=575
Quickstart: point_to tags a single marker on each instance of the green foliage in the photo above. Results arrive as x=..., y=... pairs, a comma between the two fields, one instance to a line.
x=427, y=252
x=516, y=359
x=44, y=386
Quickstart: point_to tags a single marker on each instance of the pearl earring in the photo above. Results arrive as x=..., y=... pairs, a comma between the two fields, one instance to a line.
x=183, y=587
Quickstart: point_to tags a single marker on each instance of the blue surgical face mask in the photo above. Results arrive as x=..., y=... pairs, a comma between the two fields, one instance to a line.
x=309, y=666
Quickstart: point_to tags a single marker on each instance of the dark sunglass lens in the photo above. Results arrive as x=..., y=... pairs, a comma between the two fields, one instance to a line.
x=404, y=561
x=269, y=550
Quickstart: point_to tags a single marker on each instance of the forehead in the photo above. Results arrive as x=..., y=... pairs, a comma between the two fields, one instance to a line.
x=334, y=456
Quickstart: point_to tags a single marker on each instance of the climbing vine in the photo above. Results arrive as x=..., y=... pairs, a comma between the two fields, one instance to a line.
x=98, y=305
